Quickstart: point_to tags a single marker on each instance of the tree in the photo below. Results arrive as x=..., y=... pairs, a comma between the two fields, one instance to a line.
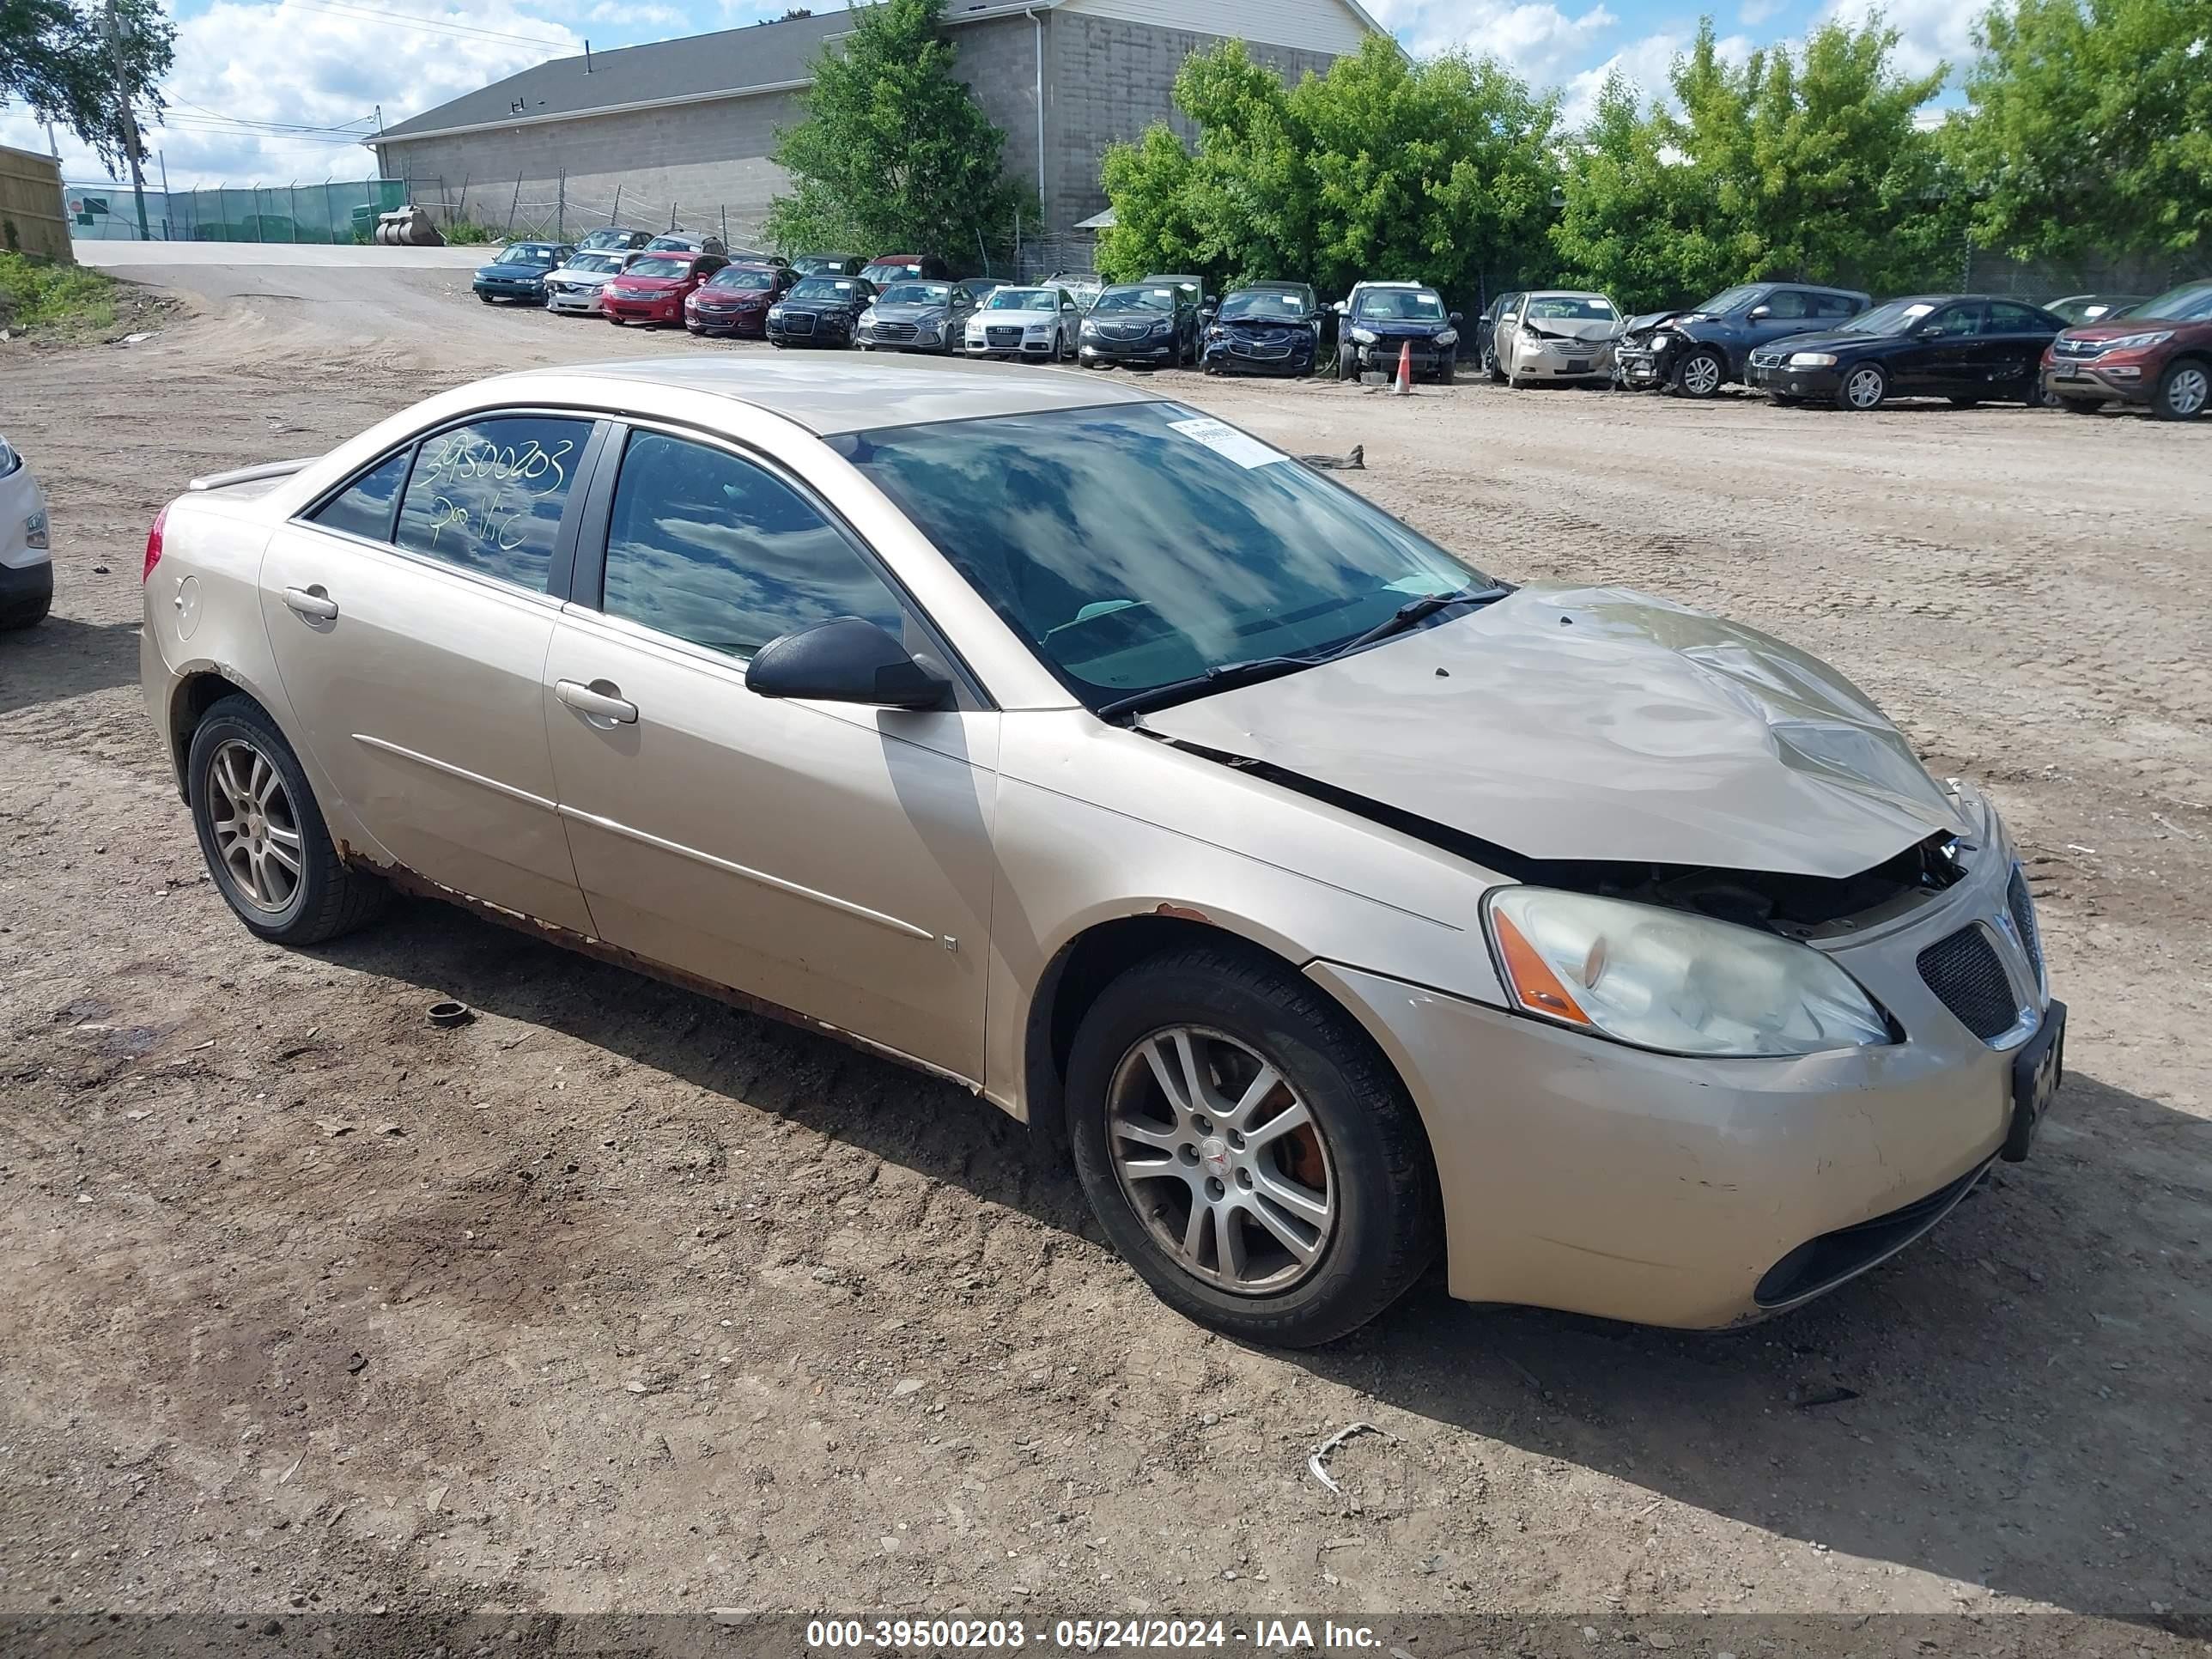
x=2089, y=130
x=1440, y=172
x=1640, y=223
x=58, y=60
x=895, y=152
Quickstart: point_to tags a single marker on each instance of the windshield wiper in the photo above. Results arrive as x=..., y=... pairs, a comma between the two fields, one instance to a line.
x=1416, y=611
x=1217, y=678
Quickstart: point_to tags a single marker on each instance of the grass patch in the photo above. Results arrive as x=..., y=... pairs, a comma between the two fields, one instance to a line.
x=469, y=235
x=51, y=299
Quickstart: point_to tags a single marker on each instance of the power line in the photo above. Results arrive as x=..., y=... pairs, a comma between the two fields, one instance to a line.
x=411, y=21
x=273, y=126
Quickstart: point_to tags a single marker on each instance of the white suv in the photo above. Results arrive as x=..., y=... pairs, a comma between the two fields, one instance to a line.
x=27, y=569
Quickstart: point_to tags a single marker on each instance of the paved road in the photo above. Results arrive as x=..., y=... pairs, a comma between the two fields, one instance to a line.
x=130, y=258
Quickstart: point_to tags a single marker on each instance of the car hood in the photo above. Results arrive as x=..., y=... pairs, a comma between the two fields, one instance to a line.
x=909, y=313
x=647, y=284
x=1601, y=724
x=1834, y=340
x=708, y=295
x=787, y=303
x=1305, y=322
x=1395, y=328
x=569, y=274
x=2127, y=326
x=514, y=271
x=1009, y=319
x=1593, y=329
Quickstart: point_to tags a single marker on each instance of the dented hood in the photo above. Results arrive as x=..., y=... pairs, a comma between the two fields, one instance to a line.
x=1597, y=723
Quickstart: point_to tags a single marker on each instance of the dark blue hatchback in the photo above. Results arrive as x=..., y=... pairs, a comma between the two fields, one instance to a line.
x=519, y=270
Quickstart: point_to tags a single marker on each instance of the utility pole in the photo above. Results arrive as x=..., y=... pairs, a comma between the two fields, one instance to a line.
x=130, y=121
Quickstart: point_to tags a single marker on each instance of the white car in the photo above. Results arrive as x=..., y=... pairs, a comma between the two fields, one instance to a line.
x=575, y=287
x=1025, y=322
x=27, y=569
x=1556, y=334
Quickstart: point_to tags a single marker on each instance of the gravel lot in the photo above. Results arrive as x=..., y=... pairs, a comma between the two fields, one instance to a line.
x=618, y=1299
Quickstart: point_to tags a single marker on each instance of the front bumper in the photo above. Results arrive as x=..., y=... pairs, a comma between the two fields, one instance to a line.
x=534, y=293
x=1040, y=350
x=1239, y=357
x=751, y=325
x=906, y=337
x=641, y=310
x=1383, y=358
x=1589, y=1177
x=25, y=590
x=2096, y=382
x=1779, y=380
x=1149, y=352
x=825, y=332
x=581, y=301
x=1551, y=363
x=1643, y=368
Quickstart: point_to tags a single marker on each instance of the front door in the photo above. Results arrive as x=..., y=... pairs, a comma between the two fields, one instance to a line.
x=410, y=616
x=831, y=858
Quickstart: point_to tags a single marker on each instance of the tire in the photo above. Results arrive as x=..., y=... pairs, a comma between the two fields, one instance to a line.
x=1864, y=387
x=2184, y=389
x=1347, y=362
x=1447, y=371
x=13, y=622
x=325, y=896
x=1701, y=373
x=1378, y=1186
x=1490, y=367
x=485, y=297
x=2082, y=405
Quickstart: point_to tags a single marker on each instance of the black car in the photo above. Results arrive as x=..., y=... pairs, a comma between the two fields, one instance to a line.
x=828, y=265
x=1970, y=348
x=823, y=311
x=1697, y=351
x=1269, y=328
x=1486, y=333
x=519, y=270
x=1141, y=325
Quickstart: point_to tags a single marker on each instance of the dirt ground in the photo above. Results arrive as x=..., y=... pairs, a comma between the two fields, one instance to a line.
x=617, y=1299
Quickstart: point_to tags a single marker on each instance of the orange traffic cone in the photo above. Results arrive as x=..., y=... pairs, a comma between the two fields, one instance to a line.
x=1405, y=381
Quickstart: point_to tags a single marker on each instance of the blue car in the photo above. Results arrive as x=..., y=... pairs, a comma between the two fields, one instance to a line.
x=1382, y=319
x=1268, y=328
x=519, y=270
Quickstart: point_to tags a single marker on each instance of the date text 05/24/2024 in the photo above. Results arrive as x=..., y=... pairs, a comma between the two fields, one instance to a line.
x=1087, y=1635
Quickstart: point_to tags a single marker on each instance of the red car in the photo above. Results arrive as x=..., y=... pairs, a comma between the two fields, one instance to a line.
x=2159, y=356
x=653, y=289
x=737, y=299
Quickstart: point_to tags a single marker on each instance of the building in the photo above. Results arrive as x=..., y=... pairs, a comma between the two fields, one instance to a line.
x=682, y=129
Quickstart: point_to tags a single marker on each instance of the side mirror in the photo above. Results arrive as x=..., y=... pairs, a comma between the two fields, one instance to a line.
x=845, y=660
x=1339, y=307
x=1760, y=313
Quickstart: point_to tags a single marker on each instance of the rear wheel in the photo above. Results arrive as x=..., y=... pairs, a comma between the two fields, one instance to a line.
x=263, y=835
x=1864, y=387
x=1248, y=1151
x=1701, y=373
x=2183, y=391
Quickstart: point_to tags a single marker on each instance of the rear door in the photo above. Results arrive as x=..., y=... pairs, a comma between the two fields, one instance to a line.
x=2012, y=346
x=409, y=615
x=829, y=858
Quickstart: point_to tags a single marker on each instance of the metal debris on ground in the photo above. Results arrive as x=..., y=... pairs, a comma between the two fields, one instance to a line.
x=1354, y=462
x=1317, y=1464
x=449, y=1014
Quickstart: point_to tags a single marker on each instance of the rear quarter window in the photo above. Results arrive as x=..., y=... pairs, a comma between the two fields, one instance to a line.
x=364, y=508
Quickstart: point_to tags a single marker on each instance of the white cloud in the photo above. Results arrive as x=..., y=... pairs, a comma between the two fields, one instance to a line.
x=1534, y=38
x=1931, y=31
x=625, y=14
x=1646, y=66
x=1751, y=13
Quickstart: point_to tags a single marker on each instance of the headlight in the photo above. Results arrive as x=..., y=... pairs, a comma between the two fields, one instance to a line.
x=1364, y=337
x=1812, y=360
x=1164, y=325
x=1090, y=328
x=775, y=313
x=1530, y=335
x=35, y=529
x=868, y=316
x=1449, y=336
x=1667, y=979
x=2138, y=341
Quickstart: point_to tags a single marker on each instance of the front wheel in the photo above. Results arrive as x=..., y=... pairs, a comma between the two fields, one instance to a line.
x=1447, y=371
x=263, y=835
x=1865, y=387
x=1248, y=1150
x=2183, y=391
x=1701, y=373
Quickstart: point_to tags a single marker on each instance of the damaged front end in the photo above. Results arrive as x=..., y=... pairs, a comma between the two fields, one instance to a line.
x=1650, y=348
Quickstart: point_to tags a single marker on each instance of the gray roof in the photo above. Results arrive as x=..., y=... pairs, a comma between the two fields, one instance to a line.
x=827, y=396
x=730, y=61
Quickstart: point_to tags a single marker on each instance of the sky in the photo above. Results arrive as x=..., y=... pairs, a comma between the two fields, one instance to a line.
x=275, y=92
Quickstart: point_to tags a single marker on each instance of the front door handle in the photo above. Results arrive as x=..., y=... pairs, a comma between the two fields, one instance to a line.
x=598, y=700
x=312, y=603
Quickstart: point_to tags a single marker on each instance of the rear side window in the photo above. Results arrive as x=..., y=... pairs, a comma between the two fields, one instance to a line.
x=488, y=496
x=365, y=507
x=712, y=549
x=1835, y=305
x=2015, y=319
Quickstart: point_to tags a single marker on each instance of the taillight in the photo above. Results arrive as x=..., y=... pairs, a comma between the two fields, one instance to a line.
x=154, y=545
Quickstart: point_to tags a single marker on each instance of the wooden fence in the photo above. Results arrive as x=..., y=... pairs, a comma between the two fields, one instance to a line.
x=31, y=207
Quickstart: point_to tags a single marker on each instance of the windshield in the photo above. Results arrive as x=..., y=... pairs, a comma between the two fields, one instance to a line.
x=594, y=262
x=665, y=265
x=1022, y=299
x=807, y=263
x=1571, y=308
x=1401, y=305
x=1136, y=299
x=889, y=270
x=1138, y=544
x=746, y=281
x=2191, y=303
x=1264, y=303
x=1893, y=318
x=823, y=288
x=1728, y=299
x=608, y=238
x=525, y=253
x=916, y=294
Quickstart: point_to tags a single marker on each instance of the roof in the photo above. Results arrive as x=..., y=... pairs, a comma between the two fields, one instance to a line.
x=828, y=398
x=737, y=63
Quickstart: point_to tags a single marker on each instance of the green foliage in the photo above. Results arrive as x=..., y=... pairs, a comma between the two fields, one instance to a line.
x=2090, y=128
x=1805, y=165
x=465, y=235
x=1438, y=171
x=56, y=58
x=895, y=154
x=35, y=294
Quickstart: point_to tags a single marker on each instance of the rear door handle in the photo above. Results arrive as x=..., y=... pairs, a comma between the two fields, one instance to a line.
x=312, y=603
x=598, y=700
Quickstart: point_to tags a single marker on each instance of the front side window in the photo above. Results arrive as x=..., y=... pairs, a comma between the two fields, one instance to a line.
x=1137, y=545
x=488, y=496
x=1788, y=304
x=713, y=550
x=364, y=508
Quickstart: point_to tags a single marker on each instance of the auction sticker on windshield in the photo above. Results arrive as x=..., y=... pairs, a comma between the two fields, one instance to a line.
x=1240, y=447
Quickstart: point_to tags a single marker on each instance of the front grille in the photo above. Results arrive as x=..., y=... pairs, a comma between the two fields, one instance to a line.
x=799, y=322
x=2023, y=917
x=1004, y=339
x=1766, y=359
x=1822, y=1263
x=1244, y=348
x=2077, y=349
x=1964, y=971
x=1125, y=331
x=895, y=331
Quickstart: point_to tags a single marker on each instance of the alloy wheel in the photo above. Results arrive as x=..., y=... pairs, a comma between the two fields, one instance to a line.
x=1864, y=389
x=2186, y=391
x=1222, y=1159
x=1701, y=375
x=257, y=832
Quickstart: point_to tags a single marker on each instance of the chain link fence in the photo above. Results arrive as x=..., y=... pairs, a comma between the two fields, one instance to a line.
x=333, y=212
